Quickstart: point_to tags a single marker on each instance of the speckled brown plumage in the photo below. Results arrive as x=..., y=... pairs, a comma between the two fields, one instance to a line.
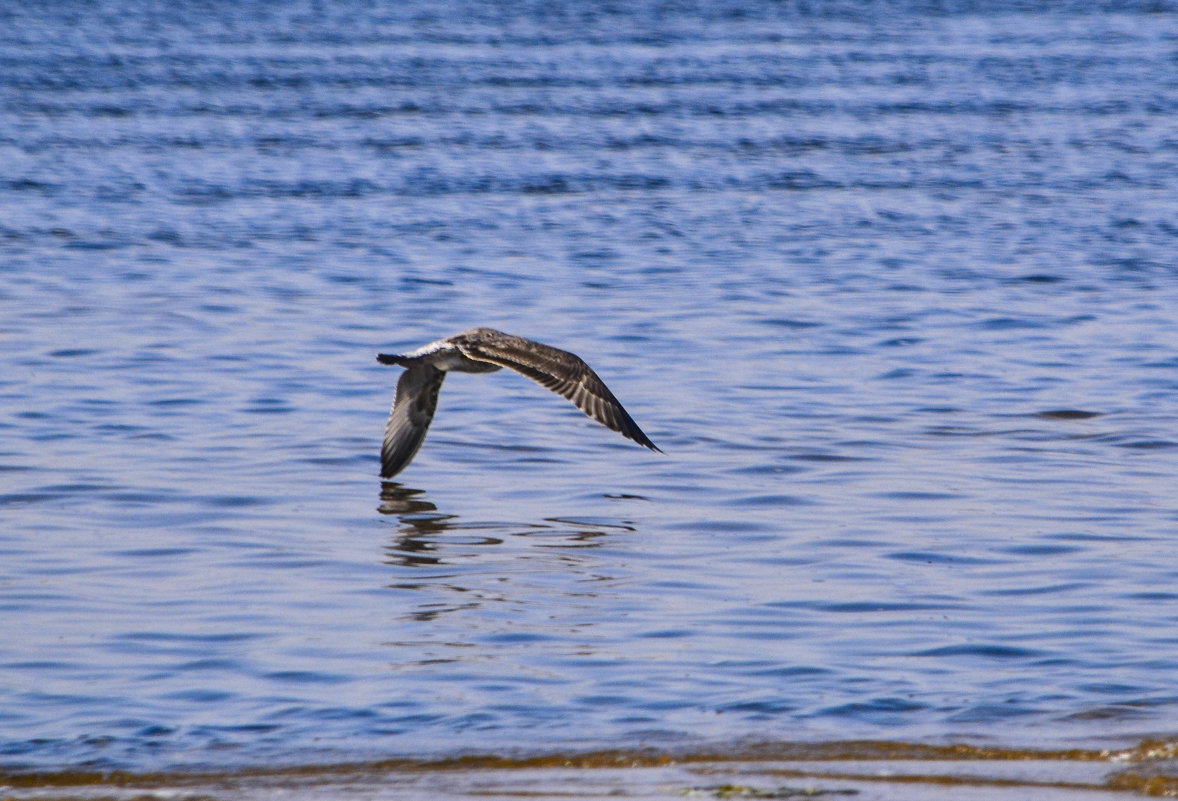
x=484, y=350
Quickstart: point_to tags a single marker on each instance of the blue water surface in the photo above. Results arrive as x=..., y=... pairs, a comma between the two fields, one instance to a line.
x=894, y=287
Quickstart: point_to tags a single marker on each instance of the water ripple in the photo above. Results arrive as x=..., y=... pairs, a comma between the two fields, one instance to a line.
x=892, y=290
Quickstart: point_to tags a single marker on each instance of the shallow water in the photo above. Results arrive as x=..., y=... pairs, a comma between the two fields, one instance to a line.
x=894, y=291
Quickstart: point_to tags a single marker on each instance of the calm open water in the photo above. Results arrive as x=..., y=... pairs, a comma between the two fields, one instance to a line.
x=894, y=287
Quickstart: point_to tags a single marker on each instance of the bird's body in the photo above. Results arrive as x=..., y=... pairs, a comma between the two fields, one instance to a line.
x=485, y=350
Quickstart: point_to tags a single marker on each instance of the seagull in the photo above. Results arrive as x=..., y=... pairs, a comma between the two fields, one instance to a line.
x=485, y=350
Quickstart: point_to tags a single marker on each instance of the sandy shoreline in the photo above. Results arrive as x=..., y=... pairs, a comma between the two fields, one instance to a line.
x=837, y=770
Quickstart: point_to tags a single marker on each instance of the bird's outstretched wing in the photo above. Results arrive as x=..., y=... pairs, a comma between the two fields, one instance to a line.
x=413, y=409
x=562, y=372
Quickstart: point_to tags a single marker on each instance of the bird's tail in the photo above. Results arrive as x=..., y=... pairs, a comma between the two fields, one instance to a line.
x=395, y=358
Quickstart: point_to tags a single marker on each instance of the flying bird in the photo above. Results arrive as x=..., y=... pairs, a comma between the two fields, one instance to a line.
x=485, y=350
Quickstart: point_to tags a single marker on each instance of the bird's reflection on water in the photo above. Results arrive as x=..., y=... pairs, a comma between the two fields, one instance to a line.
x=451, y=564
x=421, y=524
x=397, y=499
x=423, y=527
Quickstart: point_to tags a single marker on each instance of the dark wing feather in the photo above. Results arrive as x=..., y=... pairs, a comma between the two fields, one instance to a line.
x=564, y=373
x=413, y=409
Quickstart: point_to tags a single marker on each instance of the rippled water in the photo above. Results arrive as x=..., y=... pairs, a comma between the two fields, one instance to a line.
x=894, y=289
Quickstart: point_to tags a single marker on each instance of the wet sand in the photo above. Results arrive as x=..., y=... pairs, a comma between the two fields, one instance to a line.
x=860, y=770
